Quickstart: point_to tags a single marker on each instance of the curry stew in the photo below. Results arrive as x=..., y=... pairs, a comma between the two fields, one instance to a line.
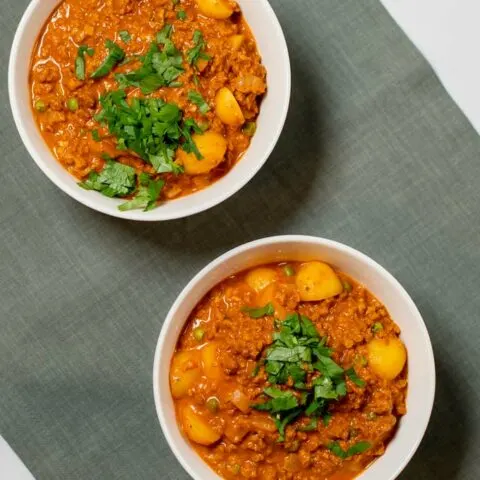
x=289, y=371
x=147, y=100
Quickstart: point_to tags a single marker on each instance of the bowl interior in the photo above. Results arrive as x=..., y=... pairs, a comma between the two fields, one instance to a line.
x=273, y=49
x=363, y=269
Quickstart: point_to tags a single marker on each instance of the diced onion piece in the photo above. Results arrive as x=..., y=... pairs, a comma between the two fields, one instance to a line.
x=241, y=401
x=236, y=41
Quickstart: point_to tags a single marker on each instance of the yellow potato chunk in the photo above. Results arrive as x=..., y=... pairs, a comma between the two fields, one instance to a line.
x=184, y=372
x=211, y=145
x=210, y=362
x=386, y=357
x=236, y=41
x=197, y=428
x=227, y=108
x=219, y=9
x=317, y=281
x=260, y=278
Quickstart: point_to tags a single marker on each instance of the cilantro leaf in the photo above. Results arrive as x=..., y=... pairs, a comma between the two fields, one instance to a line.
x=115, y=180
x=295, y=354
x=308, y=328
x=163, y=36
x=197, y=99
x=96, y=136
x=328, y=367
x=197, y=52
x=311, y=426
x=146, y=196
x=280, y=401
x=268, y=309
x=182, y=15
x=354, y=377
x=326, y=419
x=324, y=388
x=356, y=449
x=80, y=60
x=115, y=55
x=281, y=424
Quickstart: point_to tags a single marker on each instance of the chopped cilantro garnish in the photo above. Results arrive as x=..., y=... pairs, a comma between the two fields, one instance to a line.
x=124, y=36
x=115, y=55
x=355, y=449
x=80, y=60
x=299, y=359
x=159, y=68
x=96, y=136
x=197, y=52
x=115, y=180
x=150, y=127
x=311, y=426
x=182, y=15
x=163, y=36
x=147, y=195
x=198, y=100
x=259, y=312
x=354, y=377
x=326, y=419
x=256, y=369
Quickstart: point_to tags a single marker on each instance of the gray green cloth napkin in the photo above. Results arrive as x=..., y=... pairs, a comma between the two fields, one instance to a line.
x=374, y=154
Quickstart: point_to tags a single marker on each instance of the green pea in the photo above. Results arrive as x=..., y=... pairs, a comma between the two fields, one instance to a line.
x=198, y=334
x=347, y=286
x=377, y=327
x=213, y=404
x=289, y=271
x=72, y=104
x=249, y=129
x=40, y=106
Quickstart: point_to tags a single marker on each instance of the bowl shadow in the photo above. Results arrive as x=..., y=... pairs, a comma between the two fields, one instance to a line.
x=443, y=449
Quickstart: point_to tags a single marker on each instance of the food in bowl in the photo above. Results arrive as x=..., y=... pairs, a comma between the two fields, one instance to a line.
x=147, y=100
x=289, y=371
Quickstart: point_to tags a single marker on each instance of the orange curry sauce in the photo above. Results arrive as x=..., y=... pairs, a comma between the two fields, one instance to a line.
x=215, y=376
x=234, y=63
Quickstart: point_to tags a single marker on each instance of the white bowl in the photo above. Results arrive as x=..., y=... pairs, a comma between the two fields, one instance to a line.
x=273, y=49
x=421, y=367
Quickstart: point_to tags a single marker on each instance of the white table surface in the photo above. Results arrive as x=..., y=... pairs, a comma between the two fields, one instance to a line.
x=11, y=467
x=448, y=35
